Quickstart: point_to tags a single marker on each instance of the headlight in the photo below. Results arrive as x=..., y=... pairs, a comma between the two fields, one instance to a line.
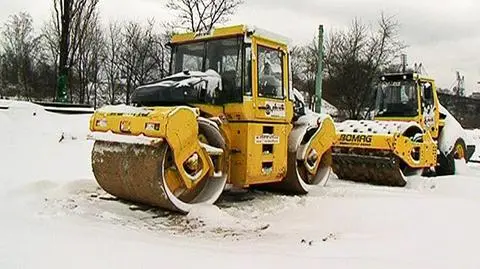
x=152, y=126
x=125, y=126
x=101, y=123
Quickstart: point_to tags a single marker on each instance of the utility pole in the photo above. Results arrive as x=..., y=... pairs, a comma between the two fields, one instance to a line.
x=460, y=84
x=64, y=44
x=404, y=63
x=319, y=77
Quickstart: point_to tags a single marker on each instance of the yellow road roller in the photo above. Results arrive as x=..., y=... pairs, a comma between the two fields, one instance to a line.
x=410, y=133
x=226, y=115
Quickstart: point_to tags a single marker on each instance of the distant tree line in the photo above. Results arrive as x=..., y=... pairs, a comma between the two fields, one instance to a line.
x=104, y=63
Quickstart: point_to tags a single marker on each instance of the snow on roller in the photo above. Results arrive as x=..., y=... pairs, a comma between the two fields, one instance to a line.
x=384, y=153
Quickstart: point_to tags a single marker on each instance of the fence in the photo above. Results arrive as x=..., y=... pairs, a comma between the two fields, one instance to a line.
x=466, y=110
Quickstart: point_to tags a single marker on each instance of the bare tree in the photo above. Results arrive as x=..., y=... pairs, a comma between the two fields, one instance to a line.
x=296, y=65
x=89, y=60
x=20, y=49
x=111, y=62
x=139, y=58
x=51, y=38
x=70, y=20
x=45, y=73
x=354, y=59
x=129, y=57
x=161, y=52
x=304, y=67
x=202, y=15
x=3, y=83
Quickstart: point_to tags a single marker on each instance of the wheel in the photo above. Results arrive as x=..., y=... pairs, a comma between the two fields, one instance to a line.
x=460, y=150
x=210, y=188
x=304, y=181
x=415, y=135
x=447, y=163
x=148, y=175
x=298, y=180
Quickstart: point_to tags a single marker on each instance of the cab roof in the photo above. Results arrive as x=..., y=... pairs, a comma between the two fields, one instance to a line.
x=405, y=75
x=235, y=30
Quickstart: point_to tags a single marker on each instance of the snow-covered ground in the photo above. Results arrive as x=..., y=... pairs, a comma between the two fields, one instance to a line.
x=54, y=215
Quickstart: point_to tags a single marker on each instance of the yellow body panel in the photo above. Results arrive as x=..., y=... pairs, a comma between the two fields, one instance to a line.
x=210, y=110
x=223, y=32
x=240, y=112
x=215, y=33
x=136, y=122
x=321, y=142
x=365, y=141
x=177, y=125
x=258, y=152
x=182, y=136
x=404, y=148
x=401, y=146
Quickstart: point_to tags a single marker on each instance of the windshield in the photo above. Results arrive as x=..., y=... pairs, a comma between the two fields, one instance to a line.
x=397, y=98
x=224, y=56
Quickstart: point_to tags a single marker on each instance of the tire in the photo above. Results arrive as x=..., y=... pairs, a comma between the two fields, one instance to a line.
x=298, y=181
x=447, y=163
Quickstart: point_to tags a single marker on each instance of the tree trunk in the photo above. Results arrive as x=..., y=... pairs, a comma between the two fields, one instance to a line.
x=64, y=44
x=129, y=83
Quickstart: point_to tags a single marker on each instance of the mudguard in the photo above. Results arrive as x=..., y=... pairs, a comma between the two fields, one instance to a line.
x=451, y=132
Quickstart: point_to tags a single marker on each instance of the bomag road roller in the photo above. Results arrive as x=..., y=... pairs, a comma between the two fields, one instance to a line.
x=410, y=133
x=227, y=115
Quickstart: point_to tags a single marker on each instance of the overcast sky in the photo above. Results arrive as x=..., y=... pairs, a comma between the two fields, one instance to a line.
x=443, y=35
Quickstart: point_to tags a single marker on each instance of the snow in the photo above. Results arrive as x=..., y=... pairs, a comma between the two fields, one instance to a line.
x=376, y=127
x=54, y=215
x=133, y=139
x=123, y=109
x=191, y=73
x=268, y=34
x=210, y=217
x=69, y=109
x=211, y=78
x=326, y=107
x=452, y=131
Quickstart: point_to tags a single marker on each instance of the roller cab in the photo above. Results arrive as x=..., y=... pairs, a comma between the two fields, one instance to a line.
x=407, y=136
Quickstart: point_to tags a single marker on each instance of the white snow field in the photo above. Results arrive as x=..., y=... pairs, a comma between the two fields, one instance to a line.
x=54, y=215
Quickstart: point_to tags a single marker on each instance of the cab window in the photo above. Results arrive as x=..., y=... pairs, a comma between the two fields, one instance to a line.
x=427, y=92
x=270, y=73
x=248, y=71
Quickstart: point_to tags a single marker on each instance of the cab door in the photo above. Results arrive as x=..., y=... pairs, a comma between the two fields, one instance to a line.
x=270, y=83
x=267, y=132
x=429, y=107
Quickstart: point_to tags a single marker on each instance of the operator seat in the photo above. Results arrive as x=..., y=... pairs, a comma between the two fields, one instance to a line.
x=231, y=92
